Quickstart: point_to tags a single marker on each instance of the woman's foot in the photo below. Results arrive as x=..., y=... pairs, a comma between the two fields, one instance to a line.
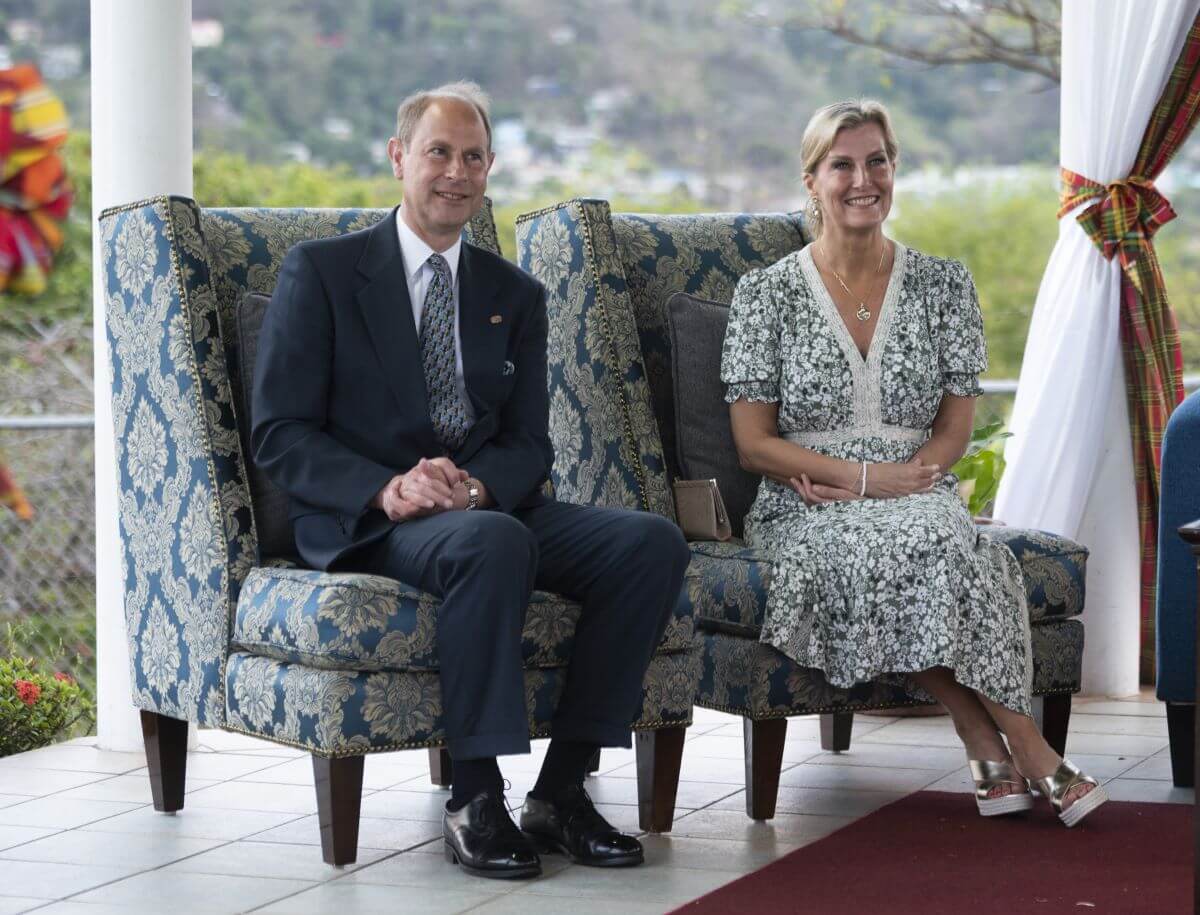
x=999, y=789
x=1072, y=794
x=984, y=744
x=1040, y=761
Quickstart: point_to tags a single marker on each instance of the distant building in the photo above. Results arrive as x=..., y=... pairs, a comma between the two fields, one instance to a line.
x=297, y=152
x=25, y=31
x=207, y=33
x=61, y=61
x=337, y=127
x=607, y=101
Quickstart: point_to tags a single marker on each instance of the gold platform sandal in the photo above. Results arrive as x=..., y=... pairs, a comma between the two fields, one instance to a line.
x=1056, y=787
x=989, y=775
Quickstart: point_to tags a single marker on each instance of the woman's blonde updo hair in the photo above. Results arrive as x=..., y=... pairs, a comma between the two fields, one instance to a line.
x=823, y=128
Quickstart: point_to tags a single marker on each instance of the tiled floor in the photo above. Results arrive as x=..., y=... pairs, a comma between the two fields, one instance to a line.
x=78, y=834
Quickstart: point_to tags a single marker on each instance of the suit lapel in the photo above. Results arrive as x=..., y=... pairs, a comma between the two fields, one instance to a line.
x=387, y=311
x=483, y=342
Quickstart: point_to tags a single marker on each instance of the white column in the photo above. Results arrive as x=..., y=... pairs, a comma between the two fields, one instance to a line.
x=141, y=146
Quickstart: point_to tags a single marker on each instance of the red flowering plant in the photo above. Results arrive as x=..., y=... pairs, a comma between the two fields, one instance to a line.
x=35, y=706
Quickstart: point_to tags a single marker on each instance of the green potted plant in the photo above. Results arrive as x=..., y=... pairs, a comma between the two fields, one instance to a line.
x=980, y=469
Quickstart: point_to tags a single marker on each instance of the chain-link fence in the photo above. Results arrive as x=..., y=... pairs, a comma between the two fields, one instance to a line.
x=48, y=564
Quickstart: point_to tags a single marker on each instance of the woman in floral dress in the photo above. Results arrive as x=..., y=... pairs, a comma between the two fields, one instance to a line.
x=852, y=366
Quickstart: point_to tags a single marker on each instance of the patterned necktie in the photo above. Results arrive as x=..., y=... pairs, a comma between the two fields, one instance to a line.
x=437, y=356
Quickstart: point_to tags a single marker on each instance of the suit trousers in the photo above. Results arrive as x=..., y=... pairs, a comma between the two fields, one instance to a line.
x=624, y=567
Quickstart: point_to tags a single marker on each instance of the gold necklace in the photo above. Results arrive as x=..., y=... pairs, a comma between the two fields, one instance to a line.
x=863, y=313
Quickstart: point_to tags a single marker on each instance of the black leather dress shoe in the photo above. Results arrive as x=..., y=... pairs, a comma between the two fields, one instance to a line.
x=574, y=827
x=482, y=839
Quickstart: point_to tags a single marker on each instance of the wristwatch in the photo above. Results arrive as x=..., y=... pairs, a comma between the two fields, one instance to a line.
x=472, y=485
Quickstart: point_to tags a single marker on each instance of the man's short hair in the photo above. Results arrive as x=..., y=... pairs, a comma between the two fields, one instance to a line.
x=409, y=113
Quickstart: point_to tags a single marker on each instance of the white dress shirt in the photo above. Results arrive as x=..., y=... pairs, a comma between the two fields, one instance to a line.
x=416, y=268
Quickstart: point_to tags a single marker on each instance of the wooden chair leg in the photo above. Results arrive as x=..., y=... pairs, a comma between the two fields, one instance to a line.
x=764, y=758
x=166, y=759
x=1181, y=731
x=594, y=763
x=1054, y=718
x=339, y=798
x=441, y=771
x=835, y=731
x=659, y=756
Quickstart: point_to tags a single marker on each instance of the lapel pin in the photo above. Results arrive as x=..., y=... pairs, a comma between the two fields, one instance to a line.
x=496, y=319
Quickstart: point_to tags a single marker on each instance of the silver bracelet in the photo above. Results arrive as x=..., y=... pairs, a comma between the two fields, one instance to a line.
x=862, y=488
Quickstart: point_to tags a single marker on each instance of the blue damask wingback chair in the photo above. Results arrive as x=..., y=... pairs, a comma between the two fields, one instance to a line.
x=1175, y=617
x=613, y=424
x=225, y=628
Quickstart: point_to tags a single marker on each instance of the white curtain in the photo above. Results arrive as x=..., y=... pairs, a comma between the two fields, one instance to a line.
x=1070, y=467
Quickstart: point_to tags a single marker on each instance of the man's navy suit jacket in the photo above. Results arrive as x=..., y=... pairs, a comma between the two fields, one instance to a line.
x=339, y=404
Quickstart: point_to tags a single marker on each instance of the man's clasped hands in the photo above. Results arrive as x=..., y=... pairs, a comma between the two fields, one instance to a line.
x=434, y=485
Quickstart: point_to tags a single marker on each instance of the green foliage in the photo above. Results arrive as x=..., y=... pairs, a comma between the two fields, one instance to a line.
x=35, y=706
x=1004, y=233
x=1178, y=248
x=231, y=180
x=982, y=466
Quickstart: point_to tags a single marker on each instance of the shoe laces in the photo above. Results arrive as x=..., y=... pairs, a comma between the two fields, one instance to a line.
x=498, y=806
x=506, y=786
x=578, y=805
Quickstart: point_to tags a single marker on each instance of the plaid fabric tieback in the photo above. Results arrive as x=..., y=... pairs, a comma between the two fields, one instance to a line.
x=1123, y=219
x=446, y=408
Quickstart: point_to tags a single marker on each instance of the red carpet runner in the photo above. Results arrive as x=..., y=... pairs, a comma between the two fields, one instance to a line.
x=931, y=853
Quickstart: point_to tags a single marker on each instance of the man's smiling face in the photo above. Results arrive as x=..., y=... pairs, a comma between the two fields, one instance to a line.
x=444, y=169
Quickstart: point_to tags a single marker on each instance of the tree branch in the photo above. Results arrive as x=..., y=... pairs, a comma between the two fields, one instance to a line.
x=976, y=33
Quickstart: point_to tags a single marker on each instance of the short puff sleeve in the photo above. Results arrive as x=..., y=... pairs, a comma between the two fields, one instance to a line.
x=750, y=358
x=961, y=345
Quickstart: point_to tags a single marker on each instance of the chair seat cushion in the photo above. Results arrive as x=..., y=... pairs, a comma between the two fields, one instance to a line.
x=744, y=676
x=727, y=583
x=347, y=621
x=348, y=712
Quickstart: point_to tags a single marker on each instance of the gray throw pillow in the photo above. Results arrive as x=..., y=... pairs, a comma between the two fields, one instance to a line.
x=270, y=502
x=703, y=438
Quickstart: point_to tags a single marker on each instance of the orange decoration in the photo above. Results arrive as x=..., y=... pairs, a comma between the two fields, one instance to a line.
x=11, y=495
x=35, y=194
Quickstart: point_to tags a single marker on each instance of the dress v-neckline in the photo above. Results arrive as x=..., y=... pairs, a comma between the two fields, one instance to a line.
x=837, y=323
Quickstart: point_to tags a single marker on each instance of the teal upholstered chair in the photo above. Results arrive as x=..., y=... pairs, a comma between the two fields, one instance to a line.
x=613, y=424
x=225, y=629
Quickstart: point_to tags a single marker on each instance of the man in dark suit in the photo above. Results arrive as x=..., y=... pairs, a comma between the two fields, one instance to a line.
x=400, y=399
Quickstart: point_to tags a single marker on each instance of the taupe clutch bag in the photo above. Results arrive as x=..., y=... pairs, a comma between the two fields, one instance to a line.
x=701, y=511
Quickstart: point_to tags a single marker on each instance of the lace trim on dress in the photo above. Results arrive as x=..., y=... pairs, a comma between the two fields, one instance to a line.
x=836, y=437
x=867, y=374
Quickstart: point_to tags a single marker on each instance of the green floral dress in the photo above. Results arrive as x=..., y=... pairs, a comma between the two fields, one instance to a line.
x=876, y=588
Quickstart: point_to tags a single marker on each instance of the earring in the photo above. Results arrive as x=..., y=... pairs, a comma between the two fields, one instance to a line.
x=813, y=209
